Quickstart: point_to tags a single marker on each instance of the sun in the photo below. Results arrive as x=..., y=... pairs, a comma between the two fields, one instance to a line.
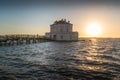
x=93, y=30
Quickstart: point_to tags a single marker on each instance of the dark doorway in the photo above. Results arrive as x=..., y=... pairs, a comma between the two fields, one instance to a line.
x=54, y=37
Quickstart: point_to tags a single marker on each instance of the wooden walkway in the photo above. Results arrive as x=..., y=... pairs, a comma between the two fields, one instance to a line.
x=9, y=40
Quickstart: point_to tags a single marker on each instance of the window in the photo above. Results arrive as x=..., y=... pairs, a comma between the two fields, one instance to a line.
x=61, y=30
x=61, y=37
x=67, y=29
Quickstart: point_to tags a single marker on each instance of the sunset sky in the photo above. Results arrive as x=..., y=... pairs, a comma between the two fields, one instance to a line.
x=35, y=16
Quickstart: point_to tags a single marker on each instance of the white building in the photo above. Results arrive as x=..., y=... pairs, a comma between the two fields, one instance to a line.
x=62, y=31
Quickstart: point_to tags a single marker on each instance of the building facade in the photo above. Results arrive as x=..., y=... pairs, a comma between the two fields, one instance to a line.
x=62, y=31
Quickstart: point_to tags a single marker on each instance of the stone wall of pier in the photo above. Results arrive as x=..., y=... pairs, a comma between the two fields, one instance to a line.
x=8, y=40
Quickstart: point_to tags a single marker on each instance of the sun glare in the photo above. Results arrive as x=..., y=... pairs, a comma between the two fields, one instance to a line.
x=93, y=30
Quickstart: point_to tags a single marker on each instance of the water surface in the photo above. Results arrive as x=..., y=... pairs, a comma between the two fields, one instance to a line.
x=97, y=59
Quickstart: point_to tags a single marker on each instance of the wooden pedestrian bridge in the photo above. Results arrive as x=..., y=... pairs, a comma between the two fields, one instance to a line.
x=8, y=40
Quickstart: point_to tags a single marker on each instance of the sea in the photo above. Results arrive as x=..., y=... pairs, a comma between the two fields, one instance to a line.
x=89, y=59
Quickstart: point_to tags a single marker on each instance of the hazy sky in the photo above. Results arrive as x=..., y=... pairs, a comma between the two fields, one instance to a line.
x=35, y=16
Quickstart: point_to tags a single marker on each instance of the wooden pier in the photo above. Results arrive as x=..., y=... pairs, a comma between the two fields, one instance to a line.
x=9, y=40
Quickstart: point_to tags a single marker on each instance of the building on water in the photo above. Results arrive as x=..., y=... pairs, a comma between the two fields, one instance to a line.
x=62, y=30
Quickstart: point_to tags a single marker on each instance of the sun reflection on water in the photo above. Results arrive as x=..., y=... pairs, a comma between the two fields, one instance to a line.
x=91, y=57
x=91, y=68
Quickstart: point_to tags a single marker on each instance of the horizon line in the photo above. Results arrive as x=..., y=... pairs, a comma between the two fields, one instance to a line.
x=44, y=35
